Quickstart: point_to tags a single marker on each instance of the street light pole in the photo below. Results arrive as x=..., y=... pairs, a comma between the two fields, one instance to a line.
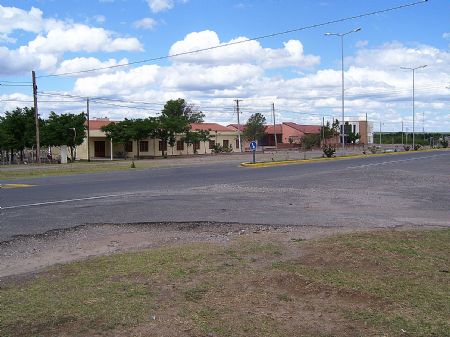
x=413, y=97
x=341, y=35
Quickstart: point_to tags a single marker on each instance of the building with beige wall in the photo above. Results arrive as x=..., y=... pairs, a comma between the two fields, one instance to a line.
x=100, y=147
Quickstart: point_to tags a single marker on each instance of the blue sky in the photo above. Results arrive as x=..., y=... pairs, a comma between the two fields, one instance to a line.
x=300, y=71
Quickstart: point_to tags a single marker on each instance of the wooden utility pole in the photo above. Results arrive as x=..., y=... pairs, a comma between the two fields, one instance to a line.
x=274, y=126
x=36, y=118
x=239, y=123
x=88, y=130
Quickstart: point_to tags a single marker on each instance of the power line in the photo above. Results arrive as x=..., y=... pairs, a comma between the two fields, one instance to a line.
x=241, y=41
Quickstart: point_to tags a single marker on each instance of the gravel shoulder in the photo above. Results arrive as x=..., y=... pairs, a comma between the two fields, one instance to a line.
x=23, y=256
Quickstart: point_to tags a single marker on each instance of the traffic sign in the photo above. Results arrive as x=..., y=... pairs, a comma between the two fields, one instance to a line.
x=253, y=145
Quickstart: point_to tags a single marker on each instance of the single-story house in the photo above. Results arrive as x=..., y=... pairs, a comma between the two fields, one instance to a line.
x=101, y=147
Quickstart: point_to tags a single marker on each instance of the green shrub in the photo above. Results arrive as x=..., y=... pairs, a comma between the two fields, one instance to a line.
x=444, y=143
x=406, y=147
x=329, y=151
x=417, y=147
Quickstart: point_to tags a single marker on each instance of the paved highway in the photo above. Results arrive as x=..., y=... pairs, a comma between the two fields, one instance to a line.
x=411, y=189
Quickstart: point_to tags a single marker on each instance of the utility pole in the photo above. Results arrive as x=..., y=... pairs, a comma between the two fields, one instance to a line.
x=239, y=123
x=402, y=132
x=367, y=131
x=274, y=126
x=423, y=126
x=380, y=133
x=36, y=118
x=323, y=130
x=88, y=131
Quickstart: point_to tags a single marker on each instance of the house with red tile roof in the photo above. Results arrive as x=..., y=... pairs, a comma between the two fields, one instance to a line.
x=101, y=147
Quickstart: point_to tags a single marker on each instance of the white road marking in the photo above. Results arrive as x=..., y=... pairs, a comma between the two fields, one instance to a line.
x=393, y=161
x=67, y=200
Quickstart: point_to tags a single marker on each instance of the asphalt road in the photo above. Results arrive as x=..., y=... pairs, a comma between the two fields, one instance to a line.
x=410, y=189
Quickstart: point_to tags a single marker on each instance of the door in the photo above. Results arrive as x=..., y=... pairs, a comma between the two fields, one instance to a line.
x=99, y=149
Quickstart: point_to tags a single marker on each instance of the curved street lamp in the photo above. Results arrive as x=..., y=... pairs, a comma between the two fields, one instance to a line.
x=341, y=35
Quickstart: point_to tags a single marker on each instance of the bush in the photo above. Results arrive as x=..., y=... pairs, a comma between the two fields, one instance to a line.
x=417, y=147
x=220, y=149
x=373, y=149
x=444, y=143
x=329, y=151
x=406, y=147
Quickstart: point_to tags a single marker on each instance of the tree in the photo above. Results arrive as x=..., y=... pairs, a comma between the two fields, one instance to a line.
x=118, y=132
x=353, y=137
x=179, y=108
x=255, y=128
x=192, y=137
x=18, y=128
x=64, y=129
x=138, y=129
x=330, y=131
x=204, y=136
x=310, y=140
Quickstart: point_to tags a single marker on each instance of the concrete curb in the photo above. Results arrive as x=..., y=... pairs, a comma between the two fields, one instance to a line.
x=314, y=160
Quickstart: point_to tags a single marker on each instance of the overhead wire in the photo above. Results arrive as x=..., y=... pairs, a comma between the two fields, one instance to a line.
x=159, y=58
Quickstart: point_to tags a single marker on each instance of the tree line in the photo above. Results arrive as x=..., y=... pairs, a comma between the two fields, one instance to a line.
x=18, y=131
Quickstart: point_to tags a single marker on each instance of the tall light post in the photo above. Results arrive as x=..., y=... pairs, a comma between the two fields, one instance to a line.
x=413, y=98
x=341, y=35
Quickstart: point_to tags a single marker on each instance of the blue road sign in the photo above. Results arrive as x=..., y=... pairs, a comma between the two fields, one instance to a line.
x=253, y=145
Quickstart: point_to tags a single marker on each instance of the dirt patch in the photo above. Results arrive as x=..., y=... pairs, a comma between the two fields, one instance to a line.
x=25, y=254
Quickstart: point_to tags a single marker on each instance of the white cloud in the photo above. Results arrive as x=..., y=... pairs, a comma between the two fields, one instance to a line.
x=100, y=18
x=85, y=63
x=160, y=5
x=361, y=44
x=238, y=51
x=12, y=18
x=145, y=23
x=446, y=35
x=45, y=51
x=79, y=37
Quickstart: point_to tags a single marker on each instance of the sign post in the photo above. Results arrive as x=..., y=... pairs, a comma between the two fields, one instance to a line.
x=253, y=146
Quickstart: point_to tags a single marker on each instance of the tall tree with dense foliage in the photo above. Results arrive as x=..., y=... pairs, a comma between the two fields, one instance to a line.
x=255, y=129
x=64, y=129
x=18, y=128
x=139, y=129
x=180, y=108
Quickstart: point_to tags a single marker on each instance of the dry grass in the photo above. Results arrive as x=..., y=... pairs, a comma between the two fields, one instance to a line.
x=385, y=283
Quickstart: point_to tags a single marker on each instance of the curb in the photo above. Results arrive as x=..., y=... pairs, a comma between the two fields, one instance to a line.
x=314, y=160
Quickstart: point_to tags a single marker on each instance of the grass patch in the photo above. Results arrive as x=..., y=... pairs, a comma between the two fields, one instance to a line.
x=371, y=284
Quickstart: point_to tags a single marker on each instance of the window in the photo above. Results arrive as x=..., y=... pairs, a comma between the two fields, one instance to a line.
x=143, y=146
x=226, y=143
x=196, y=146
x=129, y=146
x=162, y=146
x=180, y=145
x=212, y=143
x=237, y=143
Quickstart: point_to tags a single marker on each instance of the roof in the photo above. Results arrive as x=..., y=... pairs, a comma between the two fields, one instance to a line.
x=237, y=127
x=96, y=124
x=210, y=127
x=270, y=129
x=304, y=128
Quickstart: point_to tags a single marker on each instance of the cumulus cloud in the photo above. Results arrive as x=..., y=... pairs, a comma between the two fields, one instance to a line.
x=12, y=18
x=45, y=51
x=145, y=23
x=79, y=37
x=238, y=51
